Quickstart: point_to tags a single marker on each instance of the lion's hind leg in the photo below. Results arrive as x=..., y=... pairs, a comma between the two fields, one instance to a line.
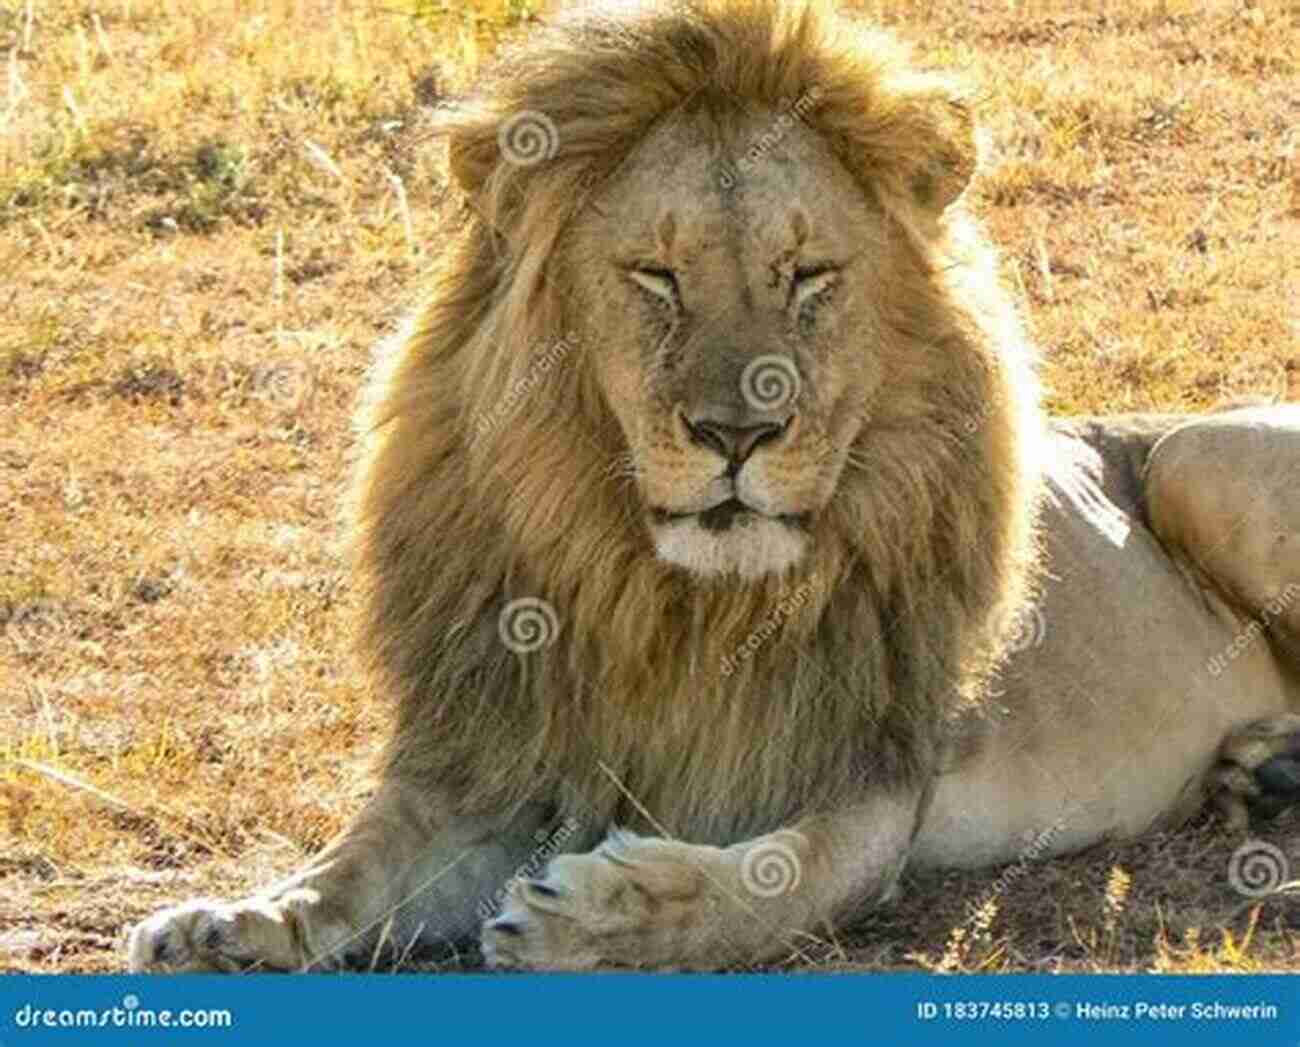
x=1259, y=769
x=1223, y=495
x=1223, y=492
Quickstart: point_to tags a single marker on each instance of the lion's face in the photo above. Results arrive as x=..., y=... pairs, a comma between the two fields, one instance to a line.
x=791, y=354
x=727, y=273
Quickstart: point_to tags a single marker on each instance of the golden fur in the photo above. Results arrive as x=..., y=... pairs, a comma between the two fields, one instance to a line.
x=925, y=545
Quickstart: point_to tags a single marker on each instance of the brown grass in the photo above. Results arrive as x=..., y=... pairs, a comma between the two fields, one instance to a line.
x=210, y=210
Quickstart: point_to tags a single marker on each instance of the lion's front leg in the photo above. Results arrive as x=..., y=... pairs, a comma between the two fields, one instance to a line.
x=650, y=902
x=401, y=876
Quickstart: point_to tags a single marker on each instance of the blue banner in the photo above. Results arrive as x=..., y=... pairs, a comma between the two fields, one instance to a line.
x=621, y=1009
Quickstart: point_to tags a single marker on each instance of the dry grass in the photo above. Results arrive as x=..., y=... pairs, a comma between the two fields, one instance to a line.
x=202, y=229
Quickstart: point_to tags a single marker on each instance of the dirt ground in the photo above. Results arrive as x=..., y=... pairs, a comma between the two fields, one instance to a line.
x=210, y=211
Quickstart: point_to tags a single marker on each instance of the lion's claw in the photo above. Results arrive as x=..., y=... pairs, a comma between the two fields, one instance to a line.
x=207, y=935
x=632, y=902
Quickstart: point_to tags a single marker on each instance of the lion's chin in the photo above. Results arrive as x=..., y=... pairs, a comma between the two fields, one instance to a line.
x=750, y=548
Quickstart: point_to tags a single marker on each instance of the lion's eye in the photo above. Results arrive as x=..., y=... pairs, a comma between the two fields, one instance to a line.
x=662, y=283
x=812, y=281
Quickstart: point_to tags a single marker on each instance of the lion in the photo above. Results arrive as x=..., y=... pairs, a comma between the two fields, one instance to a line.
x=719, y=555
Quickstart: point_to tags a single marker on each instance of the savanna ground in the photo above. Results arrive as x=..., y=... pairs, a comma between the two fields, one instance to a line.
x=209, y=211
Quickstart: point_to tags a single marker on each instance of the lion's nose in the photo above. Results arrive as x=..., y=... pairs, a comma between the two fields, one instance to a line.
x=734, y=442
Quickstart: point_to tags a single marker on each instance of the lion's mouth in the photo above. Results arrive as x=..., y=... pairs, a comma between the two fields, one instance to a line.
x=726, y=514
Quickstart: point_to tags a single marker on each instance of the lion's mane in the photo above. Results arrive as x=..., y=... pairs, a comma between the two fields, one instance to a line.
x=472, y=493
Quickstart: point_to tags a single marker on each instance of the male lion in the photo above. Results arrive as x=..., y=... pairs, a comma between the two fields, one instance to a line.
x=702, y=500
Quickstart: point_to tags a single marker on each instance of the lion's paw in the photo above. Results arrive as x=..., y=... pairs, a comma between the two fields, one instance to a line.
x=206, y=935
x=1259, y=769
x=632, y=902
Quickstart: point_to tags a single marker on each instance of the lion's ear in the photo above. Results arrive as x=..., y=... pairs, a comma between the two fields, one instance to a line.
x=944, y=170
x=921, y=146
x=470, y=160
